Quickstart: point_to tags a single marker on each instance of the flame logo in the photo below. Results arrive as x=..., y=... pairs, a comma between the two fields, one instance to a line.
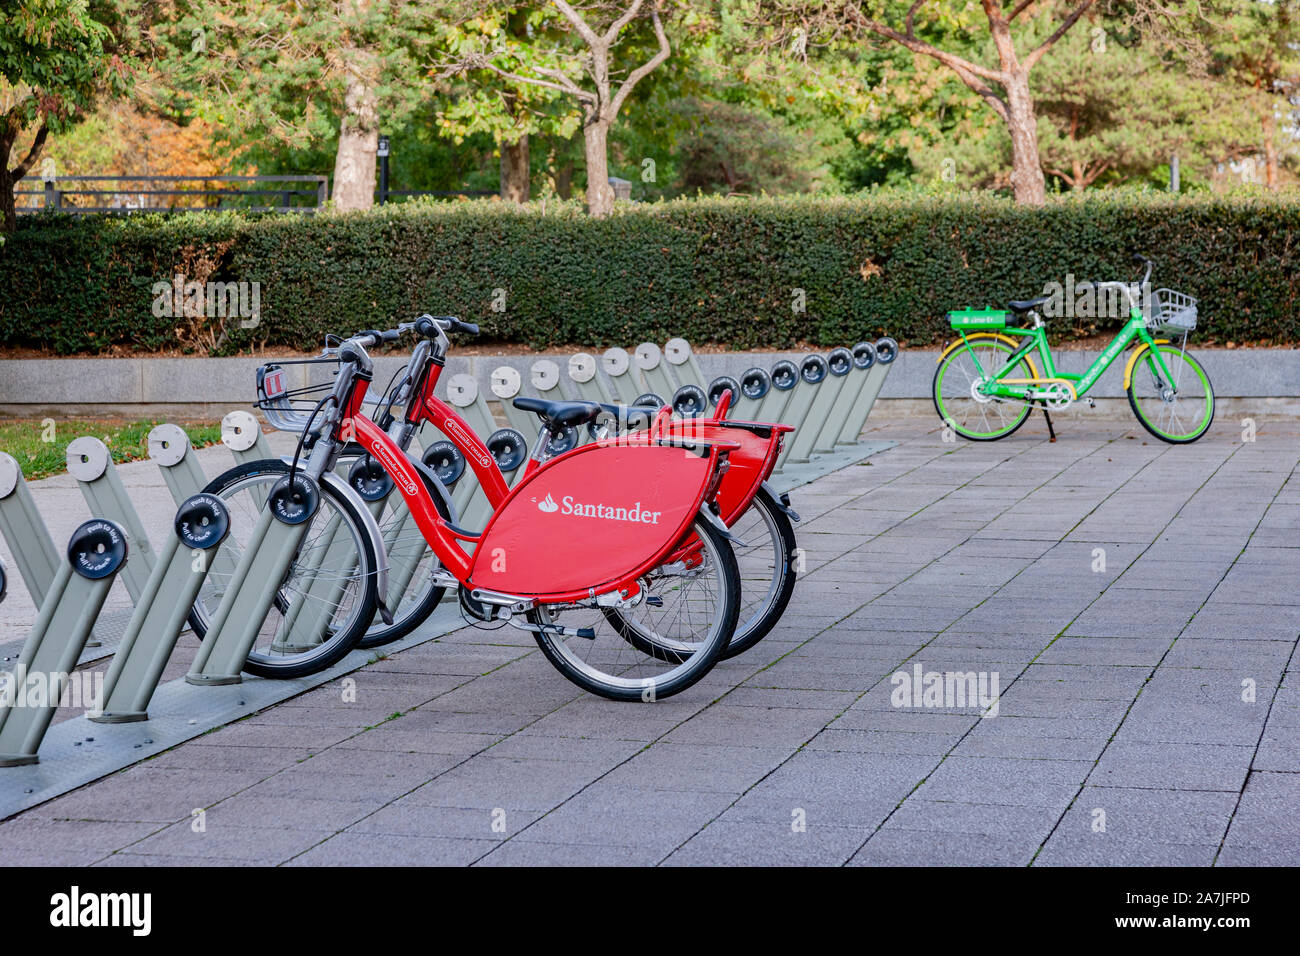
x=548, y=504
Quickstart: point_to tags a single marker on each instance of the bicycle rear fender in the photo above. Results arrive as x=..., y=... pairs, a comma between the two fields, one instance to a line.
x=595, y=518
x=748, y=466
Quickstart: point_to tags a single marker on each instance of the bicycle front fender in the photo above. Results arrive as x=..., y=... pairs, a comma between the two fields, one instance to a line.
x=1137, y=354
x=369, y=525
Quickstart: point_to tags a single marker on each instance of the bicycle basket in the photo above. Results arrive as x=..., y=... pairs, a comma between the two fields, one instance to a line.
x=1172, y=311
x=286, y=404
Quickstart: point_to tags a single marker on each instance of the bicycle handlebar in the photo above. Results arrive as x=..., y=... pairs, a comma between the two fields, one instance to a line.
x=428, y=325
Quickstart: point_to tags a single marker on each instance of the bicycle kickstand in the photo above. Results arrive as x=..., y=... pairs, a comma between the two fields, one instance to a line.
x=1050, y=430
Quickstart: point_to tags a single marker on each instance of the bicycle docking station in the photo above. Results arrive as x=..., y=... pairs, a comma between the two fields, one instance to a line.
x=681, y=359
x=91, y=463
x=755, y=383
x=617, y=364
x=202, y=523
x=268, y=553
x=812, y=372
x=834, y=370
x=827, y=399
x=506, y=385
x=652, y=372
x=96, y=553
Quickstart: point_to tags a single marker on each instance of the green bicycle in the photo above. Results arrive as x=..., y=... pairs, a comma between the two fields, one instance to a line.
x=987, y=383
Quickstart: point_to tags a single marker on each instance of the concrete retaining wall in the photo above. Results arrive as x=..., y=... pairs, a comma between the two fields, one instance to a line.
x=1259, y=381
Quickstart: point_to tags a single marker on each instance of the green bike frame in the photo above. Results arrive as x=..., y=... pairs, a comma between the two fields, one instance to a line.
x=1135, y=328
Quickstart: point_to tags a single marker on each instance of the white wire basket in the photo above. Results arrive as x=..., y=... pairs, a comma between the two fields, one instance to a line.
x=1172, y=311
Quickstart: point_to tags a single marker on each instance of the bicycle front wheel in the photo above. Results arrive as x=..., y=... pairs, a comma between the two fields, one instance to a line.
x=693, y=613
x=1177, y=408
x=328, y=596
x=958, y=400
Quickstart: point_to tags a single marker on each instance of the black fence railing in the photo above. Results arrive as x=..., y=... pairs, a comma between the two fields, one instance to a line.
x=82, y=195
x=122, y=194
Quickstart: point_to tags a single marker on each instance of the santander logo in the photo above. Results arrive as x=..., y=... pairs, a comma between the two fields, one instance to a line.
x=577, y=509
x=455, y=432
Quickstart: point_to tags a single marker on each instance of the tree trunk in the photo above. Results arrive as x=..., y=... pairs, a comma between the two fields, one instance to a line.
x=1270, y=147
x=514, y=171
x=8, y=134
x=563, y=179
x=600, y=194
x=1022, y=124
x=8, y=218
x=354, y=164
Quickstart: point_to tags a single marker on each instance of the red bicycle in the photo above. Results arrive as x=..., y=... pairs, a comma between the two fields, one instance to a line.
x=760, y=519
x=583, y=534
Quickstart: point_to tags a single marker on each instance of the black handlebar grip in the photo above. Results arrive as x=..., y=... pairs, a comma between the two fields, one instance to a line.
x=392, y=335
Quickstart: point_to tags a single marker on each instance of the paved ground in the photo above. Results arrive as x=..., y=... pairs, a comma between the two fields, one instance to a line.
x=1135, y=602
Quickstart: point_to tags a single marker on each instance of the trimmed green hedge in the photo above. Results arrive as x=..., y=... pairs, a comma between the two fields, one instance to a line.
x=711, y=270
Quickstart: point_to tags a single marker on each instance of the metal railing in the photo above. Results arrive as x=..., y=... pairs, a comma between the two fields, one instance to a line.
x=125, y=194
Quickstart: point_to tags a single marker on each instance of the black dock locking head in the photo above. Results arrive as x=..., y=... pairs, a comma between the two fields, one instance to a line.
x=813, y=369
x=202, y=522
x=369, y=480
x=97, y=549
x=785, y=375
x=689, y=401
x=560, y=442
x=295, y=503
x=446, y=460
x=839, y=362
x=722, y=384
x=755, y=383
x=508, y=447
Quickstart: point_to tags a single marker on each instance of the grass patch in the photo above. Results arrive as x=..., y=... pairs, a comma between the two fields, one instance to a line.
x=39, y=445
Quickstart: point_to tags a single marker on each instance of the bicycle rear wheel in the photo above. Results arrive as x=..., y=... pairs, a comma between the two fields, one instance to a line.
x=963, y=409
x=767, y=575
x=694, y=616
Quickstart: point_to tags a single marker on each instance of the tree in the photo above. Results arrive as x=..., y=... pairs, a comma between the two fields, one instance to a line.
x=305, y=72
x=571, y=57
x=1111, y=108
x=1004, y=88
x=1255, y=45
x=488, y=103
x=56, y=57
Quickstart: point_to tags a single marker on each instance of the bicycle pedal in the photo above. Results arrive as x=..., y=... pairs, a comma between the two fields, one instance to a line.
x=654, y=600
